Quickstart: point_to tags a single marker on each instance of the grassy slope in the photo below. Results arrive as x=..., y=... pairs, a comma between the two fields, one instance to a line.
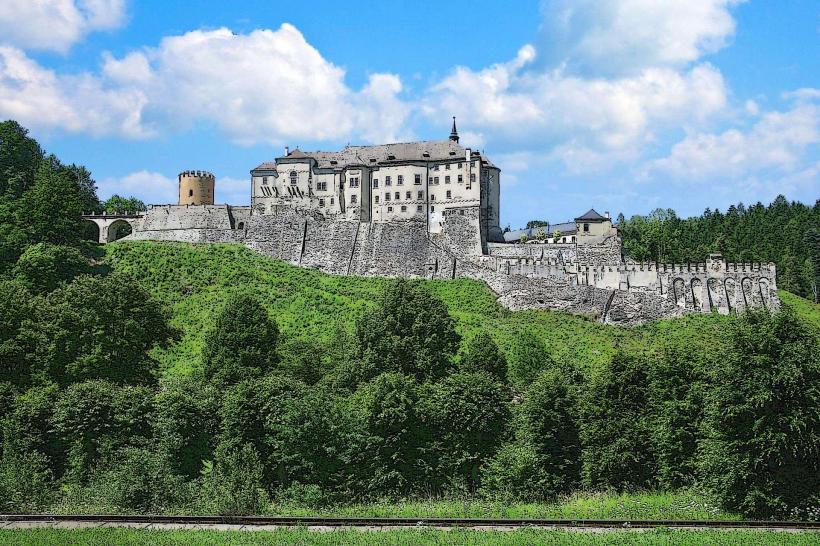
x=63, y=537
x=805, y=309
x=194, y=280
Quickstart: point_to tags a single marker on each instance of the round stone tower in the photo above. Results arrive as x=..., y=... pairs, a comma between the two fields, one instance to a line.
x=196, y=188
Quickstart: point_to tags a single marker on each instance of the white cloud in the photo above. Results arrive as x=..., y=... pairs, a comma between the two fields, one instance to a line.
x=266, y=86
x=41, y=98
x=575, y=117
x=233, y=191
x=777, y=141
x=627, y=36
x=150, y=187
x=56, y=24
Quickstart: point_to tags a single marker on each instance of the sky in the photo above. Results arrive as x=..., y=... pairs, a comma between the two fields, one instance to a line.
x=624, y=106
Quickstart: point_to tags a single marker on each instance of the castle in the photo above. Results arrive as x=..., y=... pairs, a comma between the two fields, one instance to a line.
x=431, y=209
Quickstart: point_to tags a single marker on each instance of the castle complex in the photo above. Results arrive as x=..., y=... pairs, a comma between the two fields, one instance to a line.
x=431, y=209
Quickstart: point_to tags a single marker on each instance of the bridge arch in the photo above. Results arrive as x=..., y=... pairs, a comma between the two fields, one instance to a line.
x=112, y=227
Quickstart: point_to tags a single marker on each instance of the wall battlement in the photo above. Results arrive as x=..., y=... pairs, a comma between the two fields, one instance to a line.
x=589, y=279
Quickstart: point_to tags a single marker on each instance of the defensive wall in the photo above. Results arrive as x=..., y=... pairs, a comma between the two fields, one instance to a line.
x=592, y=280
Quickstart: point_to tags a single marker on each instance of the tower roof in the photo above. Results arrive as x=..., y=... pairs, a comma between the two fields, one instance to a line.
x=454, y=132
x=591, y=216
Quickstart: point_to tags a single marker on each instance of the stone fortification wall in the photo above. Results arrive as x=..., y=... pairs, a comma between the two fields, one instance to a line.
x=533, y=251
x=612, y=292
x=173, y=217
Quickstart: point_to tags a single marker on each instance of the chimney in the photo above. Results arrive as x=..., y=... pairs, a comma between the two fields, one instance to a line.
x=287, y=151
x=468, y=155
x=606, y=213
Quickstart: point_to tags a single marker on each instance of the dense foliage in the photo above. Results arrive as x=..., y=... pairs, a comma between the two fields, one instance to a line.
x=309, y=389
x=786, y=233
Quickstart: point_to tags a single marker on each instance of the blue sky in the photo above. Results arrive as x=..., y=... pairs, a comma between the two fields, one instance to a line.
x=619, y=105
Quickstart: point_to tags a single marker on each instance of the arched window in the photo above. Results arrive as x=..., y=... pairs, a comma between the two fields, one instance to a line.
x=292, y=178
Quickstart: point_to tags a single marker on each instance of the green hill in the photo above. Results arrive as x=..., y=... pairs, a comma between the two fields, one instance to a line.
x=193, y=281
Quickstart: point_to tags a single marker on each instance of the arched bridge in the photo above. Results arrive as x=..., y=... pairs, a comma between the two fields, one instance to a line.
x=109, y=223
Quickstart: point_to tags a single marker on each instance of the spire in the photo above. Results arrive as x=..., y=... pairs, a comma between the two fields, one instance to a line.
x=454, y=132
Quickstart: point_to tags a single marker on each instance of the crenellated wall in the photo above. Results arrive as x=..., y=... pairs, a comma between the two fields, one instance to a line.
x=591, y=280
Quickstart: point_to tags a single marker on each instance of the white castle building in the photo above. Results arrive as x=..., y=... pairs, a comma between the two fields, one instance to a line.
x=388, y=182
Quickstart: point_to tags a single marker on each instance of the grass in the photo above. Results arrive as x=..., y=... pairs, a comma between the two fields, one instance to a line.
x=805, y=309
x=678, y=505
x=65, y=537
x=194, y=280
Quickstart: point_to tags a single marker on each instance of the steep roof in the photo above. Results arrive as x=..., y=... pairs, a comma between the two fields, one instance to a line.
x=425, y=150
x=591, y=216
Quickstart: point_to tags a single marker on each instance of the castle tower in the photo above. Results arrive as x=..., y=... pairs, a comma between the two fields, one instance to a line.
x=196, y=188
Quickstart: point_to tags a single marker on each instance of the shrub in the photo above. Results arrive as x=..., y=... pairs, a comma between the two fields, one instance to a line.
x=528, y=359
x=483, y=355
x=761, y=455
x=467, y=413
x=242, y=342
x=232, y=486
x=616, y=432
x=543, y=460
x=26, y=482
x=44, y=266
x=410, y=332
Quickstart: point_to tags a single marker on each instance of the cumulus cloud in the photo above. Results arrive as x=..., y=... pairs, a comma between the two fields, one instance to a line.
x=151, y=187
x=56, y=24
x=41, y=98
x=266, y=86
x=578, y=118
x=613, y=37
x=776, y=142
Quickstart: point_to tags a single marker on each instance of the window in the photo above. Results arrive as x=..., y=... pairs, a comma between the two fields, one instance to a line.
x=190, y=193
x=408, y=195
x=421, y=195
x=563, y=239
x=321, y=202
x=432, y=209
x=435, y=180
x=586, y=228
x=321, y=186
x=293, y=176
x=400, y=180
x=417, y=181
x=447, y=167
x=435, y=168
x=387, y=181
x=449, y=194
x=389, y=209
x=418, y=208
x=331, y=200
x=447, y=179
x=573, y=238
x=430, y=180
x=354, y=182
x=375, y=182
x=472, y=178
x=397, y=196
x=460, y=179
x=459, y=164
x=265, y=180
x=354, y=199
x=377, y=199
x=432, y=197
x=387, y=196
x=403, y=208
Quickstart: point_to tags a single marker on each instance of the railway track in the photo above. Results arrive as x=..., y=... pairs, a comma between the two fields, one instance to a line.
x=251, y=522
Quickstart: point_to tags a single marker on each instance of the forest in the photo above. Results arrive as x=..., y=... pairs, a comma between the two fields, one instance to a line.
x=403, y=401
